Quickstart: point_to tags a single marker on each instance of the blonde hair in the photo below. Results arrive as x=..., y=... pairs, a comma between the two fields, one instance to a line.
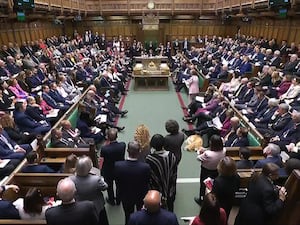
x=142, y=136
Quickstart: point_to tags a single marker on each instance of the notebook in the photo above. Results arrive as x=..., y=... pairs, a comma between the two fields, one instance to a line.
x=4, y=162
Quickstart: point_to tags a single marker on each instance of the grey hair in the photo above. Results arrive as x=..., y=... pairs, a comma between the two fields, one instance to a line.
x=66, y=189
x=274, y=149
x=83, y=166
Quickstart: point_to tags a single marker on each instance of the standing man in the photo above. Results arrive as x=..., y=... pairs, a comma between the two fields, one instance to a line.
x=152, y=213
x=71, y=211
x=132, y=179
x=112, y=152
x=163, y=166
x=89, y=187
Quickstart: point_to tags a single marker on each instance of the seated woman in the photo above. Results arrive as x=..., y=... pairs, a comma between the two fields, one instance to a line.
x=33, y=166
x=13, y=131
x=211, y=212
x=32, y=206
x=16, y=89
x=70, y=163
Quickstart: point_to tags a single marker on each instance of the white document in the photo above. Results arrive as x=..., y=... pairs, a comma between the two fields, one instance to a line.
x=34, y=144
x=284, y=156
x=95, y=130
x=101, y=118
x=53, y=113
x=244, y=111
x=217, y=123
x=199, y=99
x=4, y=162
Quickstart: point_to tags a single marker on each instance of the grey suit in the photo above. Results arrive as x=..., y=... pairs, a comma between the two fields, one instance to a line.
x=90, y=188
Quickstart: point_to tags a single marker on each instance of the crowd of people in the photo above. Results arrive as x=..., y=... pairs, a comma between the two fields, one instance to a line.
x=41, y=80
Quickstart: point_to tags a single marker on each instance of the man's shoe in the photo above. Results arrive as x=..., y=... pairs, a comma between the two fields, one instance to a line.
x=109, y=201
x=118, y=202
x=198, y=200
x=123, y=113
x=120, y=128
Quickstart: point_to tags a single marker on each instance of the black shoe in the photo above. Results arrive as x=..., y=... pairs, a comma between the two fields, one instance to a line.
x=198, y=200
x=109, y=201
x=118, y=202
x=123, y=113
x=120, y=128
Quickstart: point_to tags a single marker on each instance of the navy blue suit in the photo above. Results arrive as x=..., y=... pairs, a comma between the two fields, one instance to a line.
x=274, y=159
x=27, y=147
x=37, y=169
x=132, y=179
x=111, y=153
x=33, y=81
x=162, y=217
x=57, y=97
x=35, y=113
x=8, y=210
x=27, y=124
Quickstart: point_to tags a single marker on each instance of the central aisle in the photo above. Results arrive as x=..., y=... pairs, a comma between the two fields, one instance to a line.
x=154, y=108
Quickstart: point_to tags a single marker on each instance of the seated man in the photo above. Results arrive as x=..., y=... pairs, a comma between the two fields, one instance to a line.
x=33, y=166
x=241, y=139
x=272, y=153
x=27, y=123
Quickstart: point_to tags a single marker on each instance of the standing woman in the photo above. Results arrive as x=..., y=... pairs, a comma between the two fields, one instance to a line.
x=163, y=171
x=142, y=136
x=174, y=140
x=264, y=200
x=193, y=84
x=209, y=159
x=226, y=184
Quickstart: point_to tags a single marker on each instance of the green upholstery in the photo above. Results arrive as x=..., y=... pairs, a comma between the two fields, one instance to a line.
x=201, y=81
x=73, y=117
x=253, y=140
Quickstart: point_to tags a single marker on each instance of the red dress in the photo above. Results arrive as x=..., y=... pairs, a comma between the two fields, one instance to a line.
x=197, y=220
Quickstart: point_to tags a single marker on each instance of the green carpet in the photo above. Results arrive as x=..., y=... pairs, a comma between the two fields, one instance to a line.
x=154, y=108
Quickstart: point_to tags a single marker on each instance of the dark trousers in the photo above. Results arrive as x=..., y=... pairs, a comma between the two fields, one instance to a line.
x=128, y=208
x=205, y=173
x=103, y=217
x=110, y=190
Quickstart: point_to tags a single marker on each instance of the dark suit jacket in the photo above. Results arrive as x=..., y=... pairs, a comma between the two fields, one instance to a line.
x=25, y=122
x=225, y=187
x=8, y=210
x=37, y=169
x=132, y=178
x=83, y=213
x=111, y=153
x=274, y=159
x=281, y=122
x=163, y=217
x=261, y=203
x=35, y=113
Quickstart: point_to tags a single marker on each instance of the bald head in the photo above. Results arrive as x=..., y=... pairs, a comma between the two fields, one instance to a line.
x=234, y=121
x=66, y=190
x=152, y=201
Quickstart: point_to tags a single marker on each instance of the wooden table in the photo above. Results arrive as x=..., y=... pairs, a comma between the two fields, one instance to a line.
x=153, y=81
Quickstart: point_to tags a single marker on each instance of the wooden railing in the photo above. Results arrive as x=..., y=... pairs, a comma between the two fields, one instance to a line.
x=133, y=7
